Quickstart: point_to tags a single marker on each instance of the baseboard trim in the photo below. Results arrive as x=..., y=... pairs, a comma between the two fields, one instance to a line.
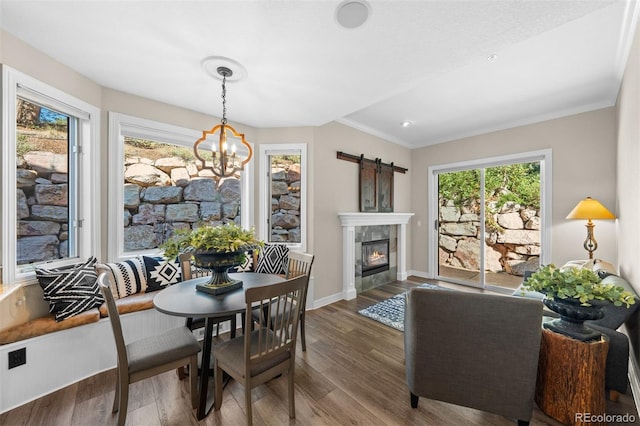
x=634, y=378
x=420, y=274
x=319, y=303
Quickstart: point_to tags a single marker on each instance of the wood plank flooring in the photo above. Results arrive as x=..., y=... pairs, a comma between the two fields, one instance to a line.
x=351, y=373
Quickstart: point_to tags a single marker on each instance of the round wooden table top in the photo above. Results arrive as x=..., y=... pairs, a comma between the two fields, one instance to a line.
x=182, y=299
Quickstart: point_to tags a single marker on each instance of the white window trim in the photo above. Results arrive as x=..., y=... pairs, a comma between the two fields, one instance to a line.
x=265, y=203
x=546, y=183
x=121, y=125
x=88, y=208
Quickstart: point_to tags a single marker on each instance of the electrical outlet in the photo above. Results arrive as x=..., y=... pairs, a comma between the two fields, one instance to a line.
x=17, y=358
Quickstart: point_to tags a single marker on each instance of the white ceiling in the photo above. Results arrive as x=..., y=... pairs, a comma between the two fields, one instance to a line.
x=423, y=61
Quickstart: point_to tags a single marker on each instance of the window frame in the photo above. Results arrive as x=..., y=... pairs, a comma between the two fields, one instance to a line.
x=121, y=125
x=266, y=151
x=543, y=156
x=87, y=203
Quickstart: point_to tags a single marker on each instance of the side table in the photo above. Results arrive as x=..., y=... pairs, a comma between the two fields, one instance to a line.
x=570, y=385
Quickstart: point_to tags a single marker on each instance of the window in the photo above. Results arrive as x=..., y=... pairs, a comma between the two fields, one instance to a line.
x=50, y=213
x=283, y=194
x=158, y=186
x=491, y=219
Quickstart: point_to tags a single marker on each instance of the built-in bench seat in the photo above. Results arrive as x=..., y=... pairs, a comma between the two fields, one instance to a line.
x=48, y=324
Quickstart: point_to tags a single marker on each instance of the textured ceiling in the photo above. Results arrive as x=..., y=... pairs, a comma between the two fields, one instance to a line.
x=423, y=61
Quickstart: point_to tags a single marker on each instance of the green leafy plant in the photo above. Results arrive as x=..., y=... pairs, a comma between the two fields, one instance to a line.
x=225, y=238
x=576, y=283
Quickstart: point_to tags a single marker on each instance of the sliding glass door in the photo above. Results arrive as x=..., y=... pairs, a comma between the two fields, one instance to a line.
x=489, y=221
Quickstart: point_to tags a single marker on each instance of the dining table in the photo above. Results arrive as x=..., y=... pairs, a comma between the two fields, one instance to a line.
x=184, y=300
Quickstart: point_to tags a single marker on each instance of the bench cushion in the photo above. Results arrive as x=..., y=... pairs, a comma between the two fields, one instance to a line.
x=46, y=324
x=133, y=303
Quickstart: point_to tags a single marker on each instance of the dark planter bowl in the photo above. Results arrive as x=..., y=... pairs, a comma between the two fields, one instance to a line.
x=572, y=317
x=219, y=263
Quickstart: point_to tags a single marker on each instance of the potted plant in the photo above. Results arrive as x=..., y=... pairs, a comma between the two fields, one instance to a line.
x=577, y=295
x=214, y=247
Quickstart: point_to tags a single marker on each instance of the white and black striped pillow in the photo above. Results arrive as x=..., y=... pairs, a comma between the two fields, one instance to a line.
x=70, y=290
x=129, y=276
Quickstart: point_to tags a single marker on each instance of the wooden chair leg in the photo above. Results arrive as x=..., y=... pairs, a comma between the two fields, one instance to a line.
x=302, y=336
x=124, y=401
x=292, y=398
x=247, y=400
x=218, y=373
x=116, y=398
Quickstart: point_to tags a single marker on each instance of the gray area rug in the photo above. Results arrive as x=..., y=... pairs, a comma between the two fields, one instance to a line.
x=390, y=311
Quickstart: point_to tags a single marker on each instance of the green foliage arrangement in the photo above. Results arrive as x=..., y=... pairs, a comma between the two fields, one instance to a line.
x=576, y=283
x=225, y=238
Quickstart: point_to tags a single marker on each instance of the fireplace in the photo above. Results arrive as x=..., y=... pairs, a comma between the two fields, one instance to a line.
x=375, y=257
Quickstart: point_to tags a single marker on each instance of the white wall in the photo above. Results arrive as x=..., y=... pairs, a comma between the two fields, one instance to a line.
x=628, y=177
x=584, y=164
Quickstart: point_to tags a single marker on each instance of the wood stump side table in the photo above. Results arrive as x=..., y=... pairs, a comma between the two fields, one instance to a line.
x=570, y=382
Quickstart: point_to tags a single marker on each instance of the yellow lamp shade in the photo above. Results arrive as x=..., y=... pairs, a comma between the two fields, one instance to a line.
x=590, y=209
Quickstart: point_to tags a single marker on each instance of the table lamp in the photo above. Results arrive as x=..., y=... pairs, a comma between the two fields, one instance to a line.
x=590, y=209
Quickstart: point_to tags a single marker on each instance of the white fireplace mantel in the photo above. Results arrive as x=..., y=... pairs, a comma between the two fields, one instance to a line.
x=349, y=221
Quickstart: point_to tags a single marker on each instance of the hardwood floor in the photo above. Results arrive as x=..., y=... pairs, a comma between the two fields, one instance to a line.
x=352, y=373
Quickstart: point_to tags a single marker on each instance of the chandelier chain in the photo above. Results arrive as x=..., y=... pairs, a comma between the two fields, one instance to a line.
x=224, y=99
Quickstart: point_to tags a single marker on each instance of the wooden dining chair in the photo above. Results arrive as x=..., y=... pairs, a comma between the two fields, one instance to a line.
x=270, y=349
x=298, y=264
x=148, y=357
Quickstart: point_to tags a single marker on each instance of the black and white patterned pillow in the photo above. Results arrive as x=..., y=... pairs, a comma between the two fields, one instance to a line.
x=273, y=259
x=247, y=265
x=70, y=290
x=161, y=273
x=129, y=276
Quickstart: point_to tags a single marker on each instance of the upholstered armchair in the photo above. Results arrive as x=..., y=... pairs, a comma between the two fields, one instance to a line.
x=476, y=350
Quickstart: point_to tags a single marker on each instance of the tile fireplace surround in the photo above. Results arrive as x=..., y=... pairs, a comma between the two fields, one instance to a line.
x=349, y=221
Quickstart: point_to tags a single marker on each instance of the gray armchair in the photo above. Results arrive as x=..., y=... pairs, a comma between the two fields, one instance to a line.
x=476, y=350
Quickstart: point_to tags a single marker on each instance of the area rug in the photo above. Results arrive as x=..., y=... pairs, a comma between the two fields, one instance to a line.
x=390, y=311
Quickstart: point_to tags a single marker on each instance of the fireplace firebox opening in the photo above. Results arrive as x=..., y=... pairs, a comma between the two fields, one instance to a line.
x=375, y=257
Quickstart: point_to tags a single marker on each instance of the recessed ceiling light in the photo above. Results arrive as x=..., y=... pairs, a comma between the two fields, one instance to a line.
x=406, y=123
x=492, y=58
x=352, y=14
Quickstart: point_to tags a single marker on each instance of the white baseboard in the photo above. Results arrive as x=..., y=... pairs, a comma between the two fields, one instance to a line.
x=420, y=274
x=327, y=300
x=634, y=378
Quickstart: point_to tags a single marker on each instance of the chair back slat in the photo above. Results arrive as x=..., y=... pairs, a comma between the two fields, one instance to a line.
x=114, y=318
x=299, y=264
x=189, y=269
x=279, y=317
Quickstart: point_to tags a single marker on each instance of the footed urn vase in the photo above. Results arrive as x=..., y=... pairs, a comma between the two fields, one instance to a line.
x=572, y=318
x=219, y=264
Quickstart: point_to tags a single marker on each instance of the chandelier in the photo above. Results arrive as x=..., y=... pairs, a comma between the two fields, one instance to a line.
x=223, y=163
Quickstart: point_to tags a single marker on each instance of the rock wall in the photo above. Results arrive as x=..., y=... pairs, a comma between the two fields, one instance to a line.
x=512, y=244
x=159, y=197
x=170, y=193
x=285, y=203
x=42, y=207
